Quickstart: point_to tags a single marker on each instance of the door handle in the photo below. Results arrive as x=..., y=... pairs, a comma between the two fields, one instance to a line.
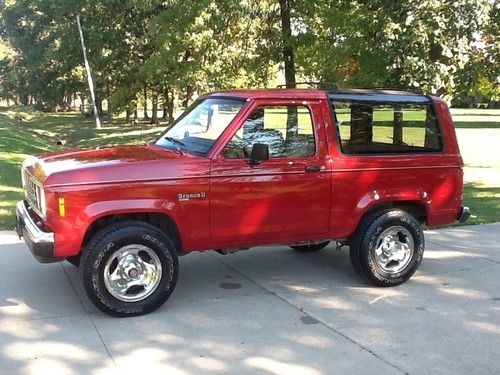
x=314, y=168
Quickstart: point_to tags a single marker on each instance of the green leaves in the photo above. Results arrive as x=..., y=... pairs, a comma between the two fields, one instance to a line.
x=174, y=48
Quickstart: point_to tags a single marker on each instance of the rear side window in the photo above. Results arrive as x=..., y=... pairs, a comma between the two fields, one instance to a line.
x=385, y=128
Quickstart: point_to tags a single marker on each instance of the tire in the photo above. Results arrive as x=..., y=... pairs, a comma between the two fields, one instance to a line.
x=310, y=248
x=129, y=269
x=75, y=260
x=387, y=247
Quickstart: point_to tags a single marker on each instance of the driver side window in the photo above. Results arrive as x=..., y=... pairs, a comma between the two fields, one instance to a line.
x=286, y=130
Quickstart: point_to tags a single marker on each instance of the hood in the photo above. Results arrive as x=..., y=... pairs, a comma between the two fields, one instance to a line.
x=112, y=165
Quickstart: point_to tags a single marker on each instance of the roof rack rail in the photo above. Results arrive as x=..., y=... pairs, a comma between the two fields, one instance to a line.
x=415, y=90
x=319, y=85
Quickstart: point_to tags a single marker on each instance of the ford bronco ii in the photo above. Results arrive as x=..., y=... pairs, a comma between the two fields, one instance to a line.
x=364, y=167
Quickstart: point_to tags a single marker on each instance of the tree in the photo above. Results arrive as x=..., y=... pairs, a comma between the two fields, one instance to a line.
x=288, y=53
x=39, y=39
x=170, y=51
x=390, y=43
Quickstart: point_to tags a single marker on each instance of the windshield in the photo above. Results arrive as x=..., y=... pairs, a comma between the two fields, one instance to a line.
x=197, y=129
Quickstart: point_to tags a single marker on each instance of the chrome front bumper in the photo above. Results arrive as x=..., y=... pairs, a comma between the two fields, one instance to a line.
x=40, y=242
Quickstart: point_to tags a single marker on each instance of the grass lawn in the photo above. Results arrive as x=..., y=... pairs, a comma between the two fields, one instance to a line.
x=31, y=133
x=24, y=132
x=483, y=201
x=476, y=118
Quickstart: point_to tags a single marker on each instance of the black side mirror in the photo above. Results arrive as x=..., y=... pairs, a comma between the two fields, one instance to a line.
x=260, y=152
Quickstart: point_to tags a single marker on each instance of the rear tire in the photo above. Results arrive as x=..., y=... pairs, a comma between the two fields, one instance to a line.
x=310, y=248
x=387, y=247
x=129, y=269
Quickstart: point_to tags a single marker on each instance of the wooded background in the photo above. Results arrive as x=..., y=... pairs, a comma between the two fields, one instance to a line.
x=165, y=52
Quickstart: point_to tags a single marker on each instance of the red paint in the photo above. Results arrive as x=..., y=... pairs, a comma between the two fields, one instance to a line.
x=274, y=202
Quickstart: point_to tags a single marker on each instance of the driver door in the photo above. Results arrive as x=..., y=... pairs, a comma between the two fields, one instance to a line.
x=285, y=198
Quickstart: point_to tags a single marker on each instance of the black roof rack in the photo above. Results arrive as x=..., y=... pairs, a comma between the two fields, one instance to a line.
x=333, y=87
x=415, y=90
x=376, y=95
x=318, y=85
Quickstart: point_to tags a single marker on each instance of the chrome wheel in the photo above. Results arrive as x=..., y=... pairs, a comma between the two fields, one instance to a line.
x=394, y=249
x=132, y=273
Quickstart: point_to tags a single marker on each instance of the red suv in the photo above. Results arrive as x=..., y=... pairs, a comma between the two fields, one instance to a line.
x=367, y=168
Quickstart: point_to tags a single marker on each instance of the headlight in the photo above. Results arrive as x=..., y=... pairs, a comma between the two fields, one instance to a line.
x=42, y=207
x=30, y=160
x=33, y=190
x=35, y=195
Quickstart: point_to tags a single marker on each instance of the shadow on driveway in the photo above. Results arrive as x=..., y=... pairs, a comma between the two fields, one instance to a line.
x=268, y=310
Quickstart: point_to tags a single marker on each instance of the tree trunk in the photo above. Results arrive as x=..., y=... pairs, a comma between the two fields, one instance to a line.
x=110, y=110
x=154, y=117
x=62, y=100
x=82, y=105
x=127, y=115
x=189, y=94
x=69, y=101
x=171, y=106
x=171, y=109
x=286, y=36
x=98, y=103
x=168, y=106
x=397, y=133
x=146, y=116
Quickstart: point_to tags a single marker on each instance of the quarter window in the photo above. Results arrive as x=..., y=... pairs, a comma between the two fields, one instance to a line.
x=287, y=130
x=377, y=128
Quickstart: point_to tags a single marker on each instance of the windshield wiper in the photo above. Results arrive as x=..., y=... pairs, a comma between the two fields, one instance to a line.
x=176, y=143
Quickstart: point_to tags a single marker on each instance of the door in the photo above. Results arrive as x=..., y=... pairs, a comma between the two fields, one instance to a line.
x=284, y=199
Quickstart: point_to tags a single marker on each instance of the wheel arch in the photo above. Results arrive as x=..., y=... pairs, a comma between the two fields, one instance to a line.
x=159, y=220
x=413, y=207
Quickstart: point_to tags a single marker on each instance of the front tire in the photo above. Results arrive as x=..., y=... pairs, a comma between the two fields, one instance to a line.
x=129, y=269
x=387, y=248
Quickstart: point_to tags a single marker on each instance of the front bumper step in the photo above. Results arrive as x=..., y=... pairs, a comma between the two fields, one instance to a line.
x=40, y=242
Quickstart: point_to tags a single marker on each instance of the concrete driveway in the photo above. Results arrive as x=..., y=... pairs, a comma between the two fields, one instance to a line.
x=264, y=311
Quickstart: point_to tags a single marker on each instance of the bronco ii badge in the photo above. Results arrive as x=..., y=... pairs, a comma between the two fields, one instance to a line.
x=183, y=197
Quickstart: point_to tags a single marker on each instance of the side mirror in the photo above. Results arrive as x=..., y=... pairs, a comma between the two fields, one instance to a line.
x=260, y=152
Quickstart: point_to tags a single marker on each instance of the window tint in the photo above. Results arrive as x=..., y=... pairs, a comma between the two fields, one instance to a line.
x=372, y=128
x=287, y=130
